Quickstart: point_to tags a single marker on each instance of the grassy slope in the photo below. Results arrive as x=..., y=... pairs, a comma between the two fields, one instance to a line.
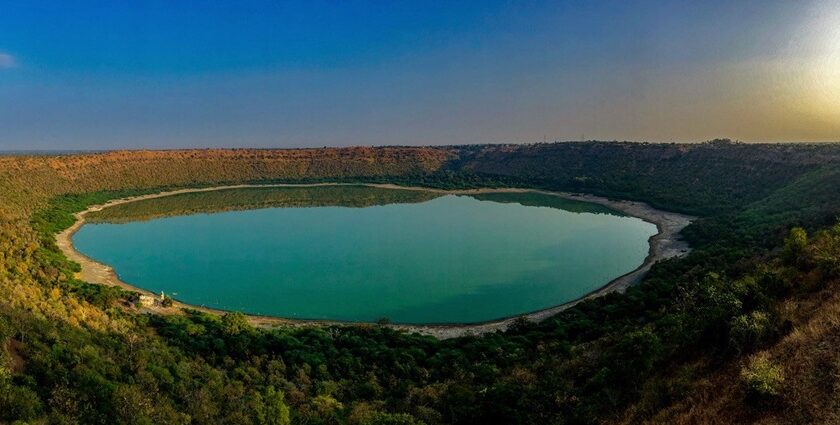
x=806, y=355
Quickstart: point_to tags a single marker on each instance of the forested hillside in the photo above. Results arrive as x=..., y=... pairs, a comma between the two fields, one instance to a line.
x=703, y=179
x=28, y=182
x=718, y=334
x=254, y=198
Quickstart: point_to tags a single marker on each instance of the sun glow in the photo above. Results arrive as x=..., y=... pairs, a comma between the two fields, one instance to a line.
x=825, y=65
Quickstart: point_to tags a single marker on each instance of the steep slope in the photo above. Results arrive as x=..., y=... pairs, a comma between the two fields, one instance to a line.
x=28, y=182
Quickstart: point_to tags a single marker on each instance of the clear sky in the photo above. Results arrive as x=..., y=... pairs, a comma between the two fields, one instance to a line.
x=169, y=74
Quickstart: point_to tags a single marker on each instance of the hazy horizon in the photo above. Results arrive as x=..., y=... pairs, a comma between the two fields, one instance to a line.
x=47, y=151
x=163, y=75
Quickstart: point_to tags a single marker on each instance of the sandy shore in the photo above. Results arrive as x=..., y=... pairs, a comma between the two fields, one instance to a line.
x=665, y=244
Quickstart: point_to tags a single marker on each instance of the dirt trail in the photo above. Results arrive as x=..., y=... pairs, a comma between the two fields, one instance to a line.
x=665, y=244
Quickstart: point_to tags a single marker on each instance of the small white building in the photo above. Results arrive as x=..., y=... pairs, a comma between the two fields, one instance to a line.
x=147, y=300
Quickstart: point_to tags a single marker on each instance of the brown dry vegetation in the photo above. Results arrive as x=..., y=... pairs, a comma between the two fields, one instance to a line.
x=810, y=362
x=28, y=182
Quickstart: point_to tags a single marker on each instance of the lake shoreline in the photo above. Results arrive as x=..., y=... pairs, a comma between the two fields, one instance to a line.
x=664, y=244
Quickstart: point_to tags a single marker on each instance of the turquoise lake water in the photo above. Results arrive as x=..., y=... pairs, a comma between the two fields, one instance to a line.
x=361, y=254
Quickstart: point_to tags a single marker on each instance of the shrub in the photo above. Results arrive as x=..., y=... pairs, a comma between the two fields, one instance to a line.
x=748, y=330
x=367, y=414
x=234, y=323
x=825, y=251
x=795, y=245
x=393, y=419
x=762, y=377
x=16, y=402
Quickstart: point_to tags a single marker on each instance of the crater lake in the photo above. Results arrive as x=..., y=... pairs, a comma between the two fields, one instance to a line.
x=358, y=253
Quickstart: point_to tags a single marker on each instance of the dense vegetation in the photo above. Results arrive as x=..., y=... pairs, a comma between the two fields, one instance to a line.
x=729, y=314
x=253, y=198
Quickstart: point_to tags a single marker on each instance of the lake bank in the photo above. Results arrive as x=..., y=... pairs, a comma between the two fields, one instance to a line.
x=663, y=244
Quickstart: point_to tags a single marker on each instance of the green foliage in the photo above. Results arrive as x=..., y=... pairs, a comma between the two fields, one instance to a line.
x=251, y=198
x=748, y=330
x=17, y=402
x=704, y=179
x=58, y=215
x=825, y=252
x=762, y=378
x=276, y=412
x=99, y=295
x=382, y=418
x=234, y=323
x=795, y=245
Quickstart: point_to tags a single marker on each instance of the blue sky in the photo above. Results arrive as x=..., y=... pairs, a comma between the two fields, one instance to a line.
x=167, y=74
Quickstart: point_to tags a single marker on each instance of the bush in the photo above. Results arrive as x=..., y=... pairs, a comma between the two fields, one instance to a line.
x=234, y=323
x=795, y=245
x=393, y=419
x=367, y=414
x=762, y=377
x=748, y=330
x=17, y=402
x=825, y=251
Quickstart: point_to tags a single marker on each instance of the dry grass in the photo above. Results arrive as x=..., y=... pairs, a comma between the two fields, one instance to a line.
x=810, y=358
x=27, y=182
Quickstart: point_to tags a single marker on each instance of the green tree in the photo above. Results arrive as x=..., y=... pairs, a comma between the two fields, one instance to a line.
x=382, y=418
x=795, y=245
x=276, y=410
x=234, y=323
x=16, y=402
